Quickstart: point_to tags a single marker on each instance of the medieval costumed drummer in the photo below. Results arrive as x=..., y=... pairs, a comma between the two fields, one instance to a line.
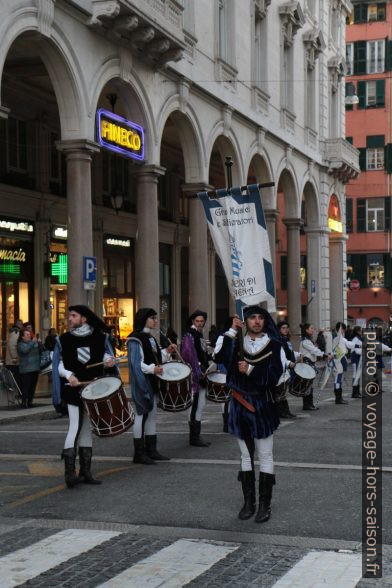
x=85, y=343
x=291, y=358
x=253, y=415
x=194, y=352
x=145, y=359
x=356, y=355
x=340, y=347
x=311, y=353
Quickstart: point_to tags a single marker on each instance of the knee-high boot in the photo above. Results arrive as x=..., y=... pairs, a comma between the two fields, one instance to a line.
x=140, y=455
x=339, y=396
x=85, y=456
x=356, y=393
x=194, y=435
x=266, y=481
x=308, y=402
x=247, y=480
x=69, y=457
x=151, y=448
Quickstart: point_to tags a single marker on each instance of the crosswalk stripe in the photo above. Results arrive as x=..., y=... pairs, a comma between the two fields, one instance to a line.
x=25, y=564
x=173, y=566
x=319, y=569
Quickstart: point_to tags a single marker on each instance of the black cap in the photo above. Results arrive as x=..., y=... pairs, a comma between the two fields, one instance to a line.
x=194, y=315
x=92, y=319
x=141, y=318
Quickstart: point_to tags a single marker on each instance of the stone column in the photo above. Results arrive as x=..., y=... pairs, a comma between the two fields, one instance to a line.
x=98, y=252
x=315, y=236
x=79, y=212
x=147, y=238
x=337, y=277
x=198, y=250
x=271, y=216
x=293, y=274
x=42, y=313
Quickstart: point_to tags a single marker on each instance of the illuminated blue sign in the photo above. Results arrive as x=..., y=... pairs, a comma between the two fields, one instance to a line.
x=120, y=135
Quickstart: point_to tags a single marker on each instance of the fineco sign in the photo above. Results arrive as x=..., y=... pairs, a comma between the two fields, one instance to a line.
x=120, y=135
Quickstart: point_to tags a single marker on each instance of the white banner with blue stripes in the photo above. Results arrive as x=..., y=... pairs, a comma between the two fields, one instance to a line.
x=239, y=232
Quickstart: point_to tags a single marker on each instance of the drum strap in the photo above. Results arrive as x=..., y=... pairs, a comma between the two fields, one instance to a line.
x=249, y=360
x=239, y=398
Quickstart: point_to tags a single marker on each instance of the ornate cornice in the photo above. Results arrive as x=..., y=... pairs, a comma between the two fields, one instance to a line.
x=292, y=19
x=314, y=45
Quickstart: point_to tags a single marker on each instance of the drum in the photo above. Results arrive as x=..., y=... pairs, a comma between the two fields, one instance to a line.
x=304, y=375
x=282, y=387
x=108, y=408
x=217, y=391
x=175, y=390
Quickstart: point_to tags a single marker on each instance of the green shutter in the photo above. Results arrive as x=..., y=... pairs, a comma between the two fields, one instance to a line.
x=360, y=13
x=388, y=55
x=388, y=158
x=387, y=270
x=387, y=209
x=360, y=57
x=361, y=215
x=349, y=140
x=374, y=141
x=359, y=265
x=283, y=272
x=380, y=93
x=349, y=215
x=362, y=158
x=361, y=93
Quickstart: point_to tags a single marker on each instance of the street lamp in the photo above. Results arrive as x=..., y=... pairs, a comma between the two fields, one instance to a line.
x=117, y=200
x=351, y=97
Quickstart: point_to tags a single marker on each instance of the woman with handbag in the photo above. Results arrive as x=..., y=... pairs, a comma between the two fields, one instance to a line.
x=29, y=365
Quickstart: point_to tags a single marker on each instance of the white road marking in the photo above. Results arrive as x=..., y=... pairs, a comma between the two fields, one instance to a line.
x=173, y=566
x=319, y=569
x=25, y=564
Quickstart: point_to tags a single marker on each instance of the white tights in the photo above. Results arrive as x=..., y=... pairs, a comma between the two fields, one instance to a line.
x=150, y=424
x=79, y=429
x=201, y=402
x=264, y=452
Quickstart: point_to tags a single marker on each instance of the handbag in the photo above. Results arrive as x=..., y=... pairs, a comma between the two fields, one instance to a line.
x=44, y=359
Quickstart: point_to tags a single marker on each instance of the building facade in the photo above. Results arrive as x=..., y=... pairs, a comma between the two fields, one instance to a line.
x=369, y=64
x=114, y=113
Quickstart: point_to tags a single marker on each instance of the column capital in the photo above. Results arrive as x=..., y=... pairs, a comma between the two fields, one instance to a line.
x=150, y=170
x=293, y=223
x=317, y=230
x=338, y=237
x=71, y=146
x=190, y=190
x=4, y=112
x=271, y=214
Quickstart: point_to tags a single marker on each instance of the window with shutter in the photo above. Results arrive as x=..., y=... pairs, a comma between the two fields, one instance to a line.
x=387, y=208
x=380, y=92
x=361, y=93
x=360, y=57
x=349, y=215
x=362, y=158
x=361, y=215
x=388, y=158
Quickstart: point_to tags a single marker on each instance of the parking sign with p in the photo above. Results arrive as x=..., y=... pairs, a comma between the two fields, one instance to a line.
x=89, y=272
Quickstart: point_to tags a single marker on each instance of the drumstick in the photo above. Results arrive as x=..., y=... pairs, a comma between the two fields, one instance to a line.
x=121, y=359
x=80, y=383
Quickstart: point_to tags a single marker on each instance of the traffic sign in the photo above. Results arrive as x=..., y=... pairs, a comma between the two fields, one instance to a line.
x=354, y=285
x=89, y=272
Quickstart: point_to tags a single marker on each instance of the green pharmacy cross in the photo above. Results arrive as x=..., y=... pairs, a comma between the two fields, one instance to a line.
x=9, y=268
x=59, y=268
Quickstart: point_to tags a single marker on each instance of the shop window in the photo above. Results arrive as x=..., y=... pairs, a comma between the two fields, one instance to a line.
x=375, y=214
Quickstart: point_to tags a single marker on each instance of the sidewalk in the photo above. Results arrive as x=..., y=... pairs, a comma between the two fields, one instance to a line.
x=42, y=408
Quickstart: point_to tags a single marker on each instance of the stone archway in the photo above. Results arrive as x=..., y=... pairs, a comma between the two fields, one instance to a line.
x=311, y=250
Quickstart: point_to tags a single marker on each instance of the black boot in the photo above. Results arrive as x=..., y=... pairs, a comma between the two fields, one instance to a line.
x=225, y=418
x=308, y=402
x=151, y=448
x=85, y=455
x=247, y=480
x=339, y=396
x=194, y=435
x=140, y=456
x=266, y=481
x=356, y=393
x=69, y=457
x=284, y=410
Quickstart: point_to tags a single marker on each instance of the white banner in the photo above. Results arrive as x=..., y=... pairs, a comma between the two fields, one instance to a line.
x=239, y=232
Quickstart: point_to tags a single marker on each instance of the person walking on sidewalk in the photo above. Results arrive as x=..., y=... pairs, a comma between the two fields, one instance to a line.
x=85, y=343
x=253, y=416
x=145, y=359
x=29, y=365
x=311, y=353
x=11, y=355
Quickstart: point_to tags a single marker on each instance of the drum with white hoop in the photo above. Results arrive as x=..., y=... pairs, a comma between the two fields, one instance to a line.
x=282, y=387
x=217, y=391
x=175, y=390
x=304, y=375
x=107, y=406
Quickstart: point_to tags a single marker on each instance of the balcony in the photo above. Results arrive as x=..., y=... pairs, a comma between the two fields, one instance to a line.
x=342, y=159
x=152, y=29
